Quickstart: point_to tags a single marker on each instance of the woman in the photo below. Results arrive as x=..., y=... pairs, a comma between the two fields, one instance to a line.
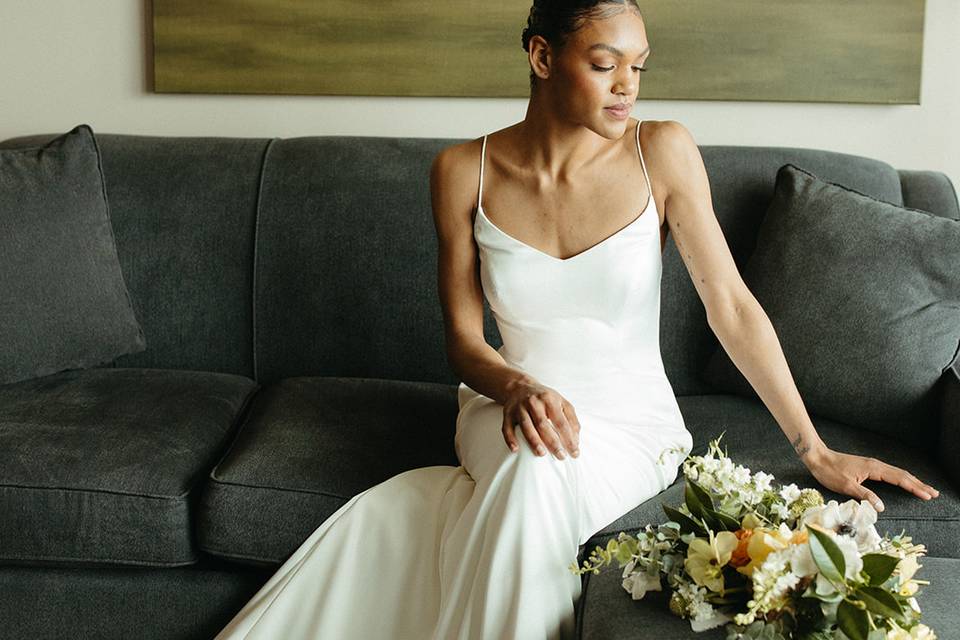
x=572, y=422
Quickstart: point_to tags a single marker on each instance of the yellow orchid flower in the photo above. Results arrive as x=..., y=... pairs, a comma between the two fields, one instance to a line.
x=707, y=557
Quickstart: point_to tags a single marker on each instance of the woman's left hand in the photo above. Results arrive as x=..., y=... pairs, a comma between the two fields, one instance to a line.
x=845, y=473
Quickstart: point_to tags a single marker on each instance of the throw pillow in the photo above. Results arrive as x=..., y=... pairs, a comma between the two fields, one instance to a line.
x=63, y=300
x=864, y=296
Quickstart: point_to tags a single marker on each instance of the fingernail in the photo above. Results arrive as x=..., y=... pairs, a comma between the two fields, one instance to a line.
x=541, y=451
x=925, y=495
x=513, y=448
x=879, y=505
x=560, y=454
x=576, y=453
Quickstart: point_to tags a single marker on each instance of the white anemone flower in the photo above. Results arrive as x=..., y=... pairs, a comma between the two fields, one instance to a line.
x=853, y=520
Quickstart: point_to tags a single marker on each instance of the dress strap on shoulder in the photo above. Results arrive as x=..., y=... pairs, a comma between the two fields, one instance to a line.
x=483, y=152
x=642, y=163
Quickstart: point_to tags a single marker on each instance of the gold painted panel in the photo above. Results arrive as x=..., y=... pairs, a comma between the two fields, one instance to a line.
x=866, y=51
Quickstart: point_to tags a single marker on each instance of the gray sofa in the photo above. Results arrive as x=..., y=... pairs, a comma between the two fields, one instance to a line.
x=287, y=292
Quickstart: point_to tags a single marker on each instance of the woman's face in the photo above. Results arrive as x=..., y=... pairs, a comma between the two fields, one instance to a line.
x=599, y=68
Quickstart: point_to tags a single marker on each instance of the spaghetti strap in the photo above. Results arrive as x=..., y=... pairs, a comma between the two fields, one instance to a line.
x=642, y=163
x=483, y=152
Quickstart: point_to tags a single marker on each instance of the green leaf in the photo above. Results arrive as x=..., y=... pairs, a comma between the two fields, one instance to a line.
x=687, y=524
x=879, y=566
x=726, y=522
x=853, y=621
x=702, y=496
x=699, y=504
x=811, y=592
x=880, y=601
x=827, y=555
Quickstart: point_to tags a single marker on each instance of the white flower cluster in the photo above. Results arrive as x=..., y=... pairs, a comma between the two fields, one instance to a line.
x=735, y=489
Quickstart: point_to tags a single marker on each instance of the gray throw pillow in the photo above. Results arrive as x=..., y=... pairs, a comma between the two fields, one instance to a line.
x=63, y=300
x=864, y=297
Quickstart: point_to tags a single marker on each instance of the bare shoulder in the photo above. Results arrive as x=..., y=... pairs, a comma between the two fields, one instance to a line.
x=454, y=185
x=673, y=151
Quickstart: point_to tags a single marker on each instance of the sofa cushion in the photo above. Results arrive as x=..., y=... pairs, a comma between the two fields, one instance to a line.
x=63, y=300
x=101, y=466
x=308, y=445
x=753, y=438
x=865, y=300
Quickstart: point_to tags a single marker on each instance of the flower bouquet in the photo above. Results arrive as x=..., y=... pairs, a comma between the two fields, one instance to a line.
x=771, y=561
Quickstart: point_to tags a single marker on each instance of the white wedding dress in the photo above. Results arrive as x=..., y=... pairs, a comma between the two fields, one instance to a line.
x=482, y=551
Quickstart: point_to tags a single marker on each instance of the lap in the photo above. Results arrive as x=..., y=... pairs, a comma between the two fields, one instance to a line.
x=619, y=465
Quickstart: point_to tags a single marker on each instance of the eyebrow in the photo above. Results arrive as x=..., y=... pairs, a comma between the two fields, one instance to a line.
x=614, y=50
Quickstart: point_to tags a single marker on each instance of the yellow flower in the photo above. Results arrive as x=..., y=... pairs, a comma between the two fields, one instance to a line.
x=907, y=567
x=706, y=559
x=750, y=521
x=764, y=541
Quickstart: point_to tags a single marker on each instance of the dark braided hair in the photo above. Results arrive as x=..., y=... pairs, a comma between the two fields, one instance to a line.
x=555, y=20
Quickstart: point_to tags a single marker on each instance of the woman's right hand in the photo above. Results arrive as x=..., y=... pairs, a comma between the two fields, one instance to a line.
x=547, y=419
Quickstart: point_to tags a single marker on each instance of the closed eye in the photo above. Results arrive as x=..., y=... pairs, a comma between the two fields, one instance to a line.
x=610, y=68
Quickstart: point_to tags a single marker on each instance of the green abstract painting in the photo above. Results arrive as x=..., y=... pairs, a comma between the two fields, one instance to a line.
x=864, y=51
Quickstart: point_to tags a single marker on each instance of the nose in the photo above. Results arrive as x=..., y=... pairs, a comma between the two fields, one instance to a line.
x=626, y=83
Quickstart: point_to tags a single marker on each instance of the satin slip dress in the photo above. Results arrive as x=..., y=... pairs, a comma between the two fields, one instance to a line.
x=482, y=551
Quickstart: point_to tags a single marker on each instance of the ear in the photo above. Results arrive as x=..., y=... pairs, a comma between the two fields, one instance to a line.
x=539, y=56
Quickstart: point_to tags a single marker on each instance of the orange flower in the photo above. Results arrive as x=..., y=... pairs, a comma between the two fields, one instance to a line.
x=740, y=556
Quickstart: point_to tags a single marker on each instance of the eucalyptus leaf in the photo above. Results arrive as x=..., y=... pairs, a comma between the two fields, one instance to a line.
x=853, y=621
x=827, y=555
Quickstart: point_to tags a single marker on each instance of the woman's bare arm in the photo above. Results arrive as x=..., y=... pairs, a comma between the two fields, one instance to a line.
x=744, y=329
x=547, y=419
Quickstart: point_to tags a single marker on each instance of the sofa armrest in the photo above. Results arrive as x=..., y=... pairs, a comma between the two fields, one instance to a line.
x=948, y=446
x=930, y=191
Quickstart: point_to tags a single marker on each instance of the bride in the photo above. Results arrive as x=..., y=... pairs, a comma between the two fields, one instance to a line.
x=559, y=221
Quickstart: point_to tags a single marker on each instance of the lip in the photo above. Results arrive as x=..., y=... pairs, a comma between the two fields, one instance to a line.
x=619, y=112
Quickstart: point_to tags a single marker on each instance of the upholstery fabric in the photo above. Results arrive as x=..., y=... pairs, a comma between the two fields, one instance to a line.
x=753, y=438
x=310, y=444
x=865, y=301
x=183, y=603
x=63, y=300
x=184, y=212
x=360, y=213
x=607, y=612
x=102, y=466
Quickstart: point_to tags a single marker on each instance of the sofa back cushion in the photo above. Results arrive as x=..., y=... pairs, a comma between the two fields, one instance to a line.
x=183, y=212
x=345, y=270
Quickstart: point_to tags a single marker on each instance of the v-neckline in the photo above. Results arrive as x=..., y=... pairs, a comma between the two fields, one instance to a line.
x=590, y=249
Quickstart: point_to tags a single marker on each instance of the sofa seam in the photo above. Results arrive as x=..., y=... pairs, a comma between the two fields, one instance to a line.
x=238, y=556
x=177, y=497
x=255, y=261
x=201, y=479
x=231, y=483
x=98, y=562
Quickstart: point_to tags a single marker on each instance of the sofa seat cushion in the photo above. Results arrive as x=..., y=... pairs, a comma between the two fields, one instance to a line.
x=607, y=612
x=753, y=438
x=307, y=446
x=101, y=466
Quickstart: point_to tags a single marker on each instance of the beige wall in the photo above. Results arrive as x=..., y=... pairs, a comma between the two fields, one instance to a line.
x=63, y=62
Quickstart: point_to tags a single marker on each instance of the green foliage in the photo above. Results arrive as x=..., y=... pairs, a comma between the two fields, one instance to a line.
x=879, y=567
x=827, y=555
x=853, y=621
